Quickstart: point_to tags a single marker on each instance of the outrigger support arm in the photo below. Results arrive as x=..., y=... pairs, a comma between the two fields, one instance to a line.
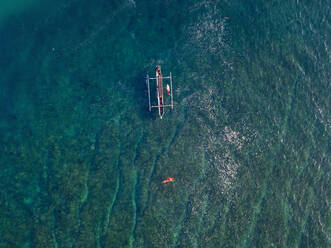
x=149, y=93
x=169, y=105
x=172, y=100
x=162, y=77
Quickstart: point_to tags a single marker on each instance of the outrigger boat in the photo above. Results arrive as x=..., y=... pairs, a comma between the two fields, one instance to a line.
x=159, y=91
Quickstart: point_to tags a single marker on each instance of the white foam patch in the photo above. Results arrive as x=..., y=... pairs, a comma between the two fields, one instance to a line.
x=216, y=138
x=209, y=33
x=320, y=114
x=219, y=141
x=233, y=137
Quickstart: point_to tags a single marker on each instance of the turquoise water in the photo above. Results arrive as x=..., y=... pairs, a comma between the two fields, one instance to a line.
x=82, y=158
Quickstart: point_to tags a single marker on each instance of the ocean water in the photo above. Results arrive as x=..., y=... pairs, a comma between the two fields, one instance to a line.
x=248, y=140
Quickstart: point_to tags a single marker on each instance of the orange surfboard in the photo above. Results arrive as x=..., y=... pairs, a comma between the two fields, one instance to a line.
x=168, y=180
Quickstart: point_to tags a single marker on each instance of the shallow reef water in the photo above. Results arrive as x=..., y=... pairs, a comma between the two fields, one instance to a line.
x=82, y=158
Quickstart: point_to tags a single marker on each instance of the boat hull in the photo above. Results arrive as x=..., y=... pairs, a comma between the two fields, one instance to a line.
x=159, y=90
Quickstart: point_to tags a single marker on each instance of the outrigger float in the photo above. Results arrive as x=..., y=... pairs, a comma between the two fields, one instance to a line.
x=159, y=91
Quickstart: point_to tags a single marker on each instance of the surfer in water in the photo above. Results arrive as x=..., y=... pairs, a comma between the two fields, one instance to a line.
x=168, y=180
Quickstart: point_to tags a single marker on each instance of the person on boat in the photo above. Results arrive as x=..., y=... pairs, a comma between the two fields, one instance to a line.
x=168, y=89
